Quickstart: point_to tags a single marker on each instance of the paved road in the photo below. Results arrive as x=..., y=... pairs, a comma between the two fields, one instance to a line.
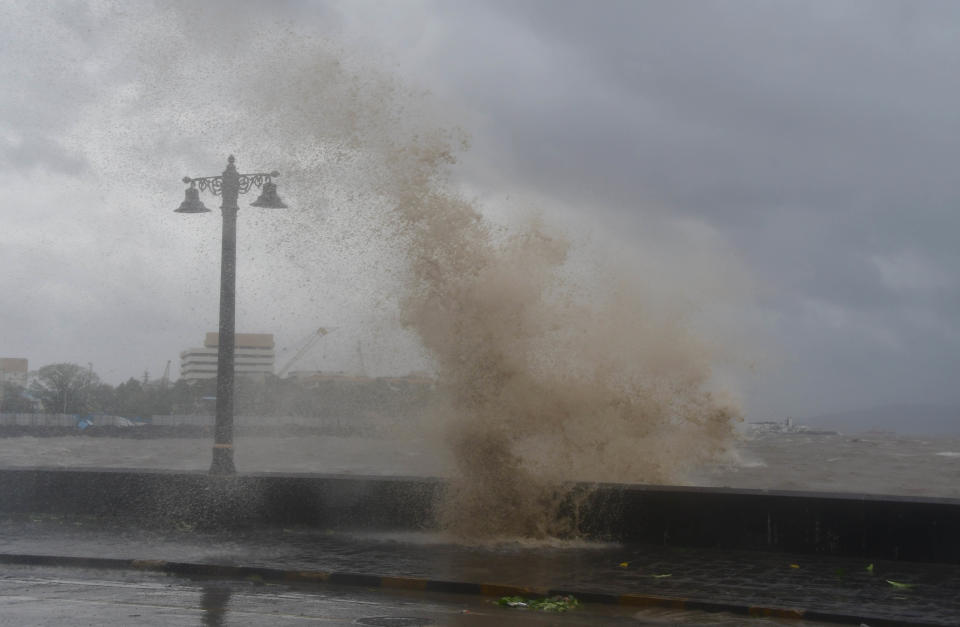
x=817, y=584
x=39, y=596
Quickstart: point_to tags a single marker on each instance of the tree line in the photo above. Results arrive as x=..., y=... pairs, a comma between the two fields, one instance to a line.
x=67, y=388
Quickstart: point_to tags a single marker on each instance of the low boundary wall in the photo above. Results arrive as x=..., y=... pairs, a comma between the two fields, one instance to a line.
x=868, y=526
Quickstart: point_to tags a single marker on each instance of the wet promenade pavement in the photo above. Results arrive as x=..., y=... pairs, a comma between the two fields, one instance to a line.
x=57, y=596
x=846, y=590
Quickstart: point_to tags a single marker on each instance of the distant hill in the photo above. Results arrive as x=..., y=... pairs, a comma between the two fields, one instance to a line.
x=908, y=419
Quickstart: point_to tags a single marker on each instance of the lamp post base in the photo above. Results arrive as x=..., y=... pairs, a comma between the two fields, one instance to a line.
x=222, y=461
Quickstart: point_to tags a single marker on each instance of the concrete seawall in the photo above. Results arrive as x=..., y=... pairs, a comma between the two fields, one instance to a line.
x=872, y=527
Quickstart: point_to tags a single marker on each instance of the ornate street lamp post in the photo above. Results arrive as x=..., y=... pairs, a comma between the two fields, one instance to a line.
x=229, y=185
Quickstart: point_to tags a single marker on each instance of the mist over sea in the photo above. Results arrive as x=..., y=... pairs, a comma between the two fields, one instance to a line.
x=873, y=462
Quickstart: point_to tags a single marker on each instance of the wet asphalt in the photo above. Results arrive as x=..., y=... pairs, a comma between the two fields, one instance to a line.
x=851, y=590
x=51, y=596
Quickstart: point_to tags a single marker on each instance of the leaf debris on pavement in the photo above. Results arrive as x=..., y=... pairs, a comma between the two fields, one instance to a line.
x=897, y=584
x=551, y=604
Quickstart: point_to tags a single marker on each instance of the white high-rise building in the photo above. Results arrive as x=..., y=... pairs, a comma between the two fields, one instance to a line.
x=253, y=356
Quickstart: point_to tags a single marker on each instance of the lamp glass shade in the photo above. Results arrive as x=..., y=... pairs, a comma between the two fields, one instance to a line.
x=191, y=202
x=269, y=198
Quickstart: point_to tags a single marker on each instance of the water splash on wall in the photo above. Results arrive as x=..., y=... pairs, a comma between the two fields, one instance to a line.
x=548, y=369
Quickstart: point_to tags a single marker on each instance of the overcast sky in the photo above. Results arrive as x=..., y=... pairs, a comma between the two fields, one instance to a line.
x=812, y=145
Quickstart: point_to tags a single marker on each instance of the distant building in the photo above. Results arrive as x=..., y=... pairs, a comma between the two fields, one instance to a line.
x=13, y=370
x=253, y=356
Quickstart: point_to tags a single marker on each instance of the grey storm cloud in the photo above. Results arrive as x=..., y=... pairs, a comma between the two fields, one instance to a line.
x=26, y=153
x=739, y=105
x=817, y=139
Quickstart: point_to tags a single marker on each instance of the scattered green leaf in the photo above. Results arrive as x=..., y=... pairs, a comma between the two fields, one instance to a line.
x=870, y=569
x=664, y=576
x=552, y=604
x=624, y=564
x=897, y=584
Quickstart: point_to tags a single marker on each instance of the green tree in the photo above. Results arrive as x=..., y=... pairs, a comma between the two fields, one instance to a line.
x=129, y=399
x=101, y=399
x=186, y=397
x=66, y=388
x=14, y=399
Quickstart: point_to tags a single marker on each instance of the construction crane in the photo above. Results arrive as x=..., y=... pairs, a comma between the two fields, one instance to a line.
x=165, y=379
x=310, y=342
